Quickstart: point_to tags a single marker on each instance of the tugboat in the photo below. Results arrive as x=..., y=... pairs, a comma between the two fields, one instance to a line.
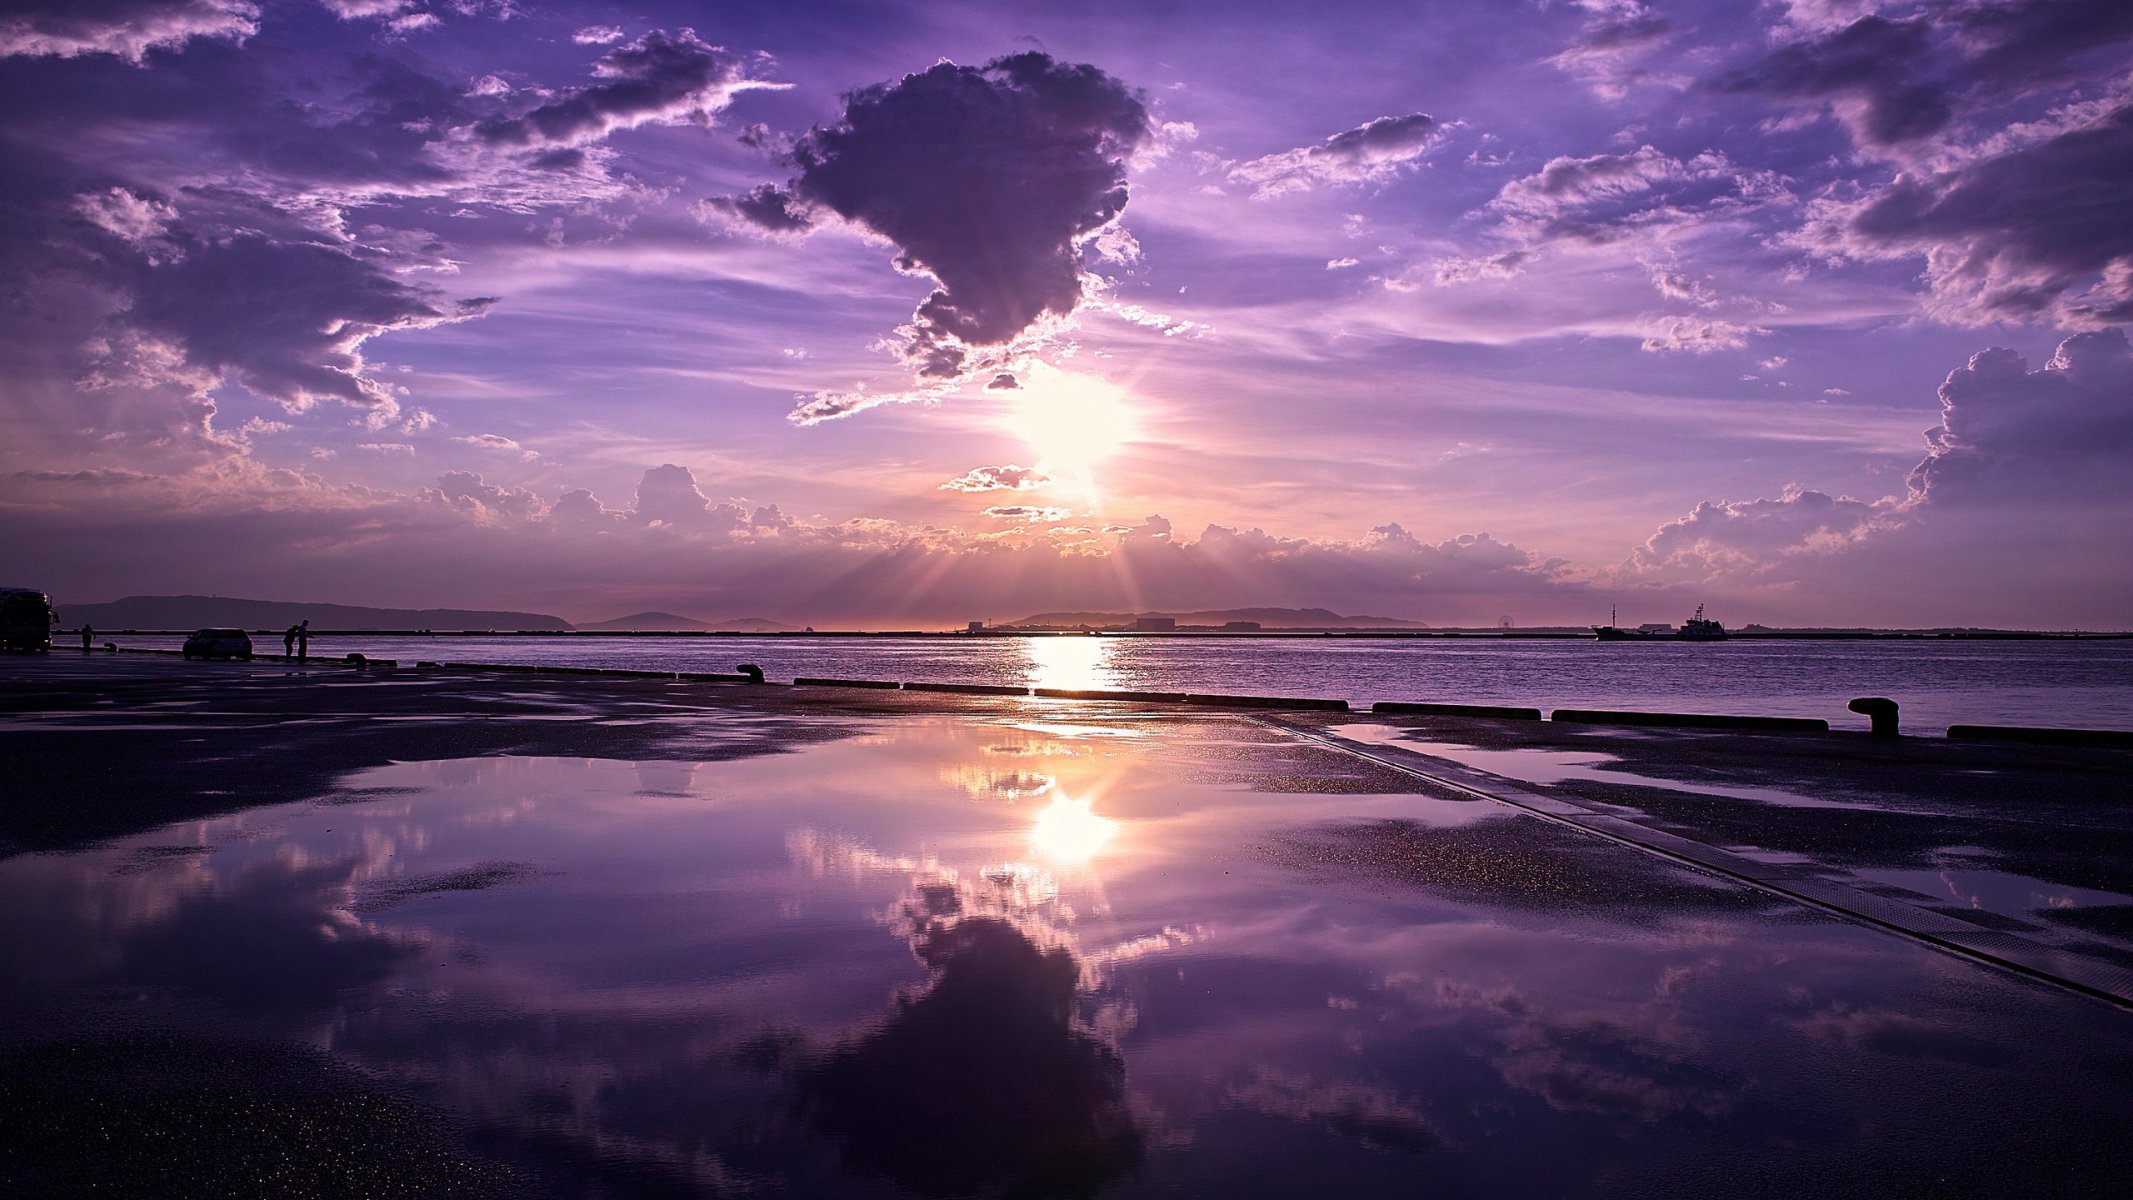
x=1695, y=629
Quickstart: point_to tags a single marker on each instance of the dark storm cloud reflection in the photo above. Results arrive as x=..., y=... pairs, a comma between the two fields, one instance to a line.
x=986, y=178
x=980, y=1084
x=277, y=941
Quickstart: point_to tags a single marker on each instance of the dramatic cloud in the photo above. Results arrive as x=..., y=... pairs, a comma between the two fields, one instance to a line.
x=1606, y=198
x=2008, y=434
x=659, y=78
x=2034, y=225
x=1899, y=80
x=992, y=479
x=286, y=320
x=128, y=29
x=1728, y=537
x=1867, y=69
x=1371, y=152
x=486, y=501
x=987, y=179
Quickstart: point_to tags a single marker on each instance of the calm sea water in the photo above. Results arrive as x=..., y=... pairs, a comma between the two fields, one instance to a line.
x=2063, y=683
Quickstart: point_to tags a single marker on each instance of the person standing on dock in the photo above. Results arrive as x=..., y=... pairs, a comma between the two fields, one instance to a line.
x=288, y=643
x=87, y=635
x=303, y=640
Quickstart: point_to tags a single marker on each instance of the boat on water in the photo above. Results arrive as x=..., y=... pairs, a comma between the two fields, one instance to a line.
x=1695, y=629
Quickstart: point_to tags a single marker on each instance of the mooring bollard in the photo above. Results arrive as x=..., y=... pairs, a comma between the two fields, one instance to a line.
x=1880, y=710
x=357, y=661
x=753, y=672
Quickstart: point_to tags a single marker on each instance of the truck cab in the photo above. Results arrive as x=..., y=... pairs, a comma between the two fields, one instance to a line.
x=26, y=620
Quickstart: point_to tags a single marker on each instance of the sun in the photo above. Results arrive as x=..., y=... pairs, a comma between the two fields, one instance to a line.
x=1071, y=422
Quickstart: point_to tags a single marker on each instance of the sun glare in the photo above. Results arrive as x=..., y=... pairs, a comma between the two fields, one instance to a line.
x=1069, y=831
x=1071, y=422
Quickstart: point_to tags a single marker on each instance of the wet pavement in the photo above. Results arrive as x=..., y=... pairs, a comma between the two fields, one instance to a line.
x=271, y=932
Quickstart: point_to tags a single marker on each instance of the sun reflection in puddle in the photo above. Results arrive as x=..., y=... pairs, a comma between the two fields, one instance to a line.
x=1069, y=831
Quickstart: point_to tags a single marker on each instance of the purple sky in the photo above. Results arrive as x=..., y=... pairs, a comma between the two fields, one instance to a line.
x=881, y=314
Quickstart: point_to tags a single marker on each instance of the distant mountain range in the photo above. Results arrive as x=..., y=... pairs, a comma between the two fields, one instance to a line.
x=1268, y=618
x=666, y=622
x=194, y=612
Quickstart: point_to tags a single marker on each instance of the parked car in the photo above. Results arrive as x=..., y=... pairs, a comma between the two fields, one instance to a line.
x=218, y=643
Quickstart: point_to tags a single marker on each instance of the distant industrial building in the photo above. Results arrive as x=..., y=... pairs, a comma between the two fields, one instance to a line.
x=1240, y=626
x=1154, y=625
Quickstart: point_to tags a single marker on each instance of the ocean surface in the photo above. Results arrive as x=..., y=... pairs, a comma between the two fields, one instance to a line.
x=2083, y=684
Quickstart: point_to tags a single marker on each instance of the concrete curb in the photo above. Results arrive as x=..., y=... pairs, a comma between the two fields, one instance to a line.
x=2110, y=739
x=1601, y=716
x=969, y=689
x=1493, y=711
x=881, y=684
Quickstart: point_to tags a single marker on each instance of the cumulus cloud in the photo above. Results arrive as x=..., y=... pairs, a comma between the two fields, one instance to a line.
x=470, y=493
x=597, y=35
x=1371, y=152
x=2008, y=434
x=988, y=179
x=993, y=479
x=2026, y=467
x=660, y=78
x=127, y=29
x=1749, y=537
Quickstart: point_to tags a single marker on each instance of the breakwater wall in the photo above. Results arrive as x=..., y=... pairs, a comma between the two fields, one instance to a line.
x=1881, y=710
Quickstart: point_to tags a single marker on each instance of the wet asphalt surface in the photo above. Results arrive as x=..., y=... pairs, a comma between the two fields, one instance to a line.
x=99, y=747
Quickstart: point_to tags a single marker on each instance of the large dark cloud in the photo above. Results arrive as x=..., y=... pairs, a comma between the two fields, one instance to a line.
x=285, y=319
x=127, y=29
x=2024, y=229
x=1900, y=80
x=986, y=178
x=1871, y=63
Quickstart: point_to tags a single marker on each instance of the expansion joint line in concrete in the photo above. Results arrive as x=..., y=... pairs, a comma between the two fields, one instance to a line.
x=2006, y=951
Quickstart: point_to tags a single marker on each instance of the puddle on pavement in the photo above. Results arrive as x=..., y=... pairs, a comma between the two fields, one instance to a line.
x=1538, y=766
x=953, y=957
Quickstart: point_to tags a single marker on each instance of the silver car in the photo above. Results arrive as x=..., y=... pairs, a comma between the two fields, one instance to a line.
x=218, y=643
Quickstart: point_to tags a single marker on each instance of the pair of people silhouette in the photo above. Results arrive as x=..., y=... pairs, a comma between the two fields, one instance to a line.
x=296, y=643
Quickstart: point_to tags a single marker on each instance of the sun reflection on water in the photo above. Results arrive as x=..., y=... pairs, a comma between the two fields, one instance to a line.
x=1070, y=662
x=1069, y=831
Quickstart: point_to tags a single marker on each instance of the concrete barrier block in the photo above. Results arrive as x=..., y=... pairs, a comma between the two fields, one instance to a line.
x=884, y=684
x=715, y=677
x=969, y=689
x=1101, y=694
x=1266, y=702
x=2110, y=739
x=1493, y=711
x=1598, y=716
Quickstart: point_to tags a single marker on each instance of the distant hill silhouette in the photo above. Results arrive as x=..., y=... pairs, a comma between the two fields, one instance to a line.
x=666, y=622
x=657, y=622
x=1270, y=618
x=753, y=625
x=194, y=612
